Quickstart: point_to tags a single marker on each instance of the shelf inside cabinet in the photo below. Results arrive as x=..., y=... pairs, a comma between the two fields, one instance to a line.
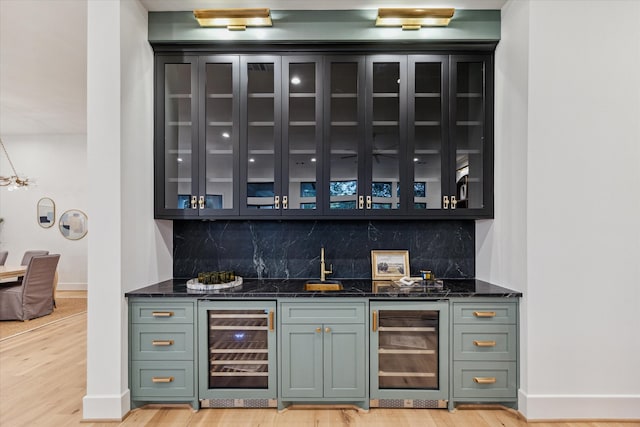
x=179, y=96
x=398, y=351
x=344, y=123
x=384, y=123
x=229, y=124
x=260, y=95
x=256, y=124
x=302, y=95
x=427, y=123
x=219, y=95
x=469, y=95
x=344, y=95
x=427, y=95
x=171, y=123
x=405, y=374
x=386, y=95
x=469, y=123
x=302, y=123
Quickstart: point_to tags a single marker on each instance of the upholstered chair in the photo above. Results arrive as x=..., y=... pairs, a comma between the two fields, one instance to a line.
x=33, y=296
x=28, y=254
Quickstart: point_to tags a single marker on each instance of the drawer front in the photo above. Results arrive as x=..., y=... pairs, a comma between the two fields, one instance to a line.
x=162, y=313
x=161, y=342
x=484, y=313
x=484, y=342
x=484, y=380
x=162, y=379
x=323, y=313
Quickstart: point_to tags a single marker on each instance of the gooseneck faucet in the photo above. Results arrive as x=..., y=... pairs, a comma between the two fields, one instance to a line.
x=323, y=271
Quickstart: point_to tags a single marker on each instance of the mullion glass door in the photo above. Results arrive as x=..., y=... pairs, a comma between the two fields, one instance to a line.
x=386, y=133
x=428, y=121
x=344, y=135
x=176, y=128
x=471, y=133
x=302, y=135
x=221, y=135
x=260, y=119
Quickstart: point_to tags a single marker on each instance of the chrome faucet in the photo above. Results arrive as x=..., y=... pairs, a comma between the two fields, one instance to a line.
x=324, y=272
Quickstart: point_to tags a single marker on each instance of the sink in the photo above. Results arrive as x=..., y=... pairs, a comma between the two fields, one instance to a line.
x=323, y=285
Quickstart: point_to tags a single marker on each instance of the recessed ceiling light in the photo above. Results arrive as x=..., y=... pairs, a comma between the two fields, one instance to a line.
x=225, y=134
x=179, y=159
x=313, y=159
x=295, y=80
x=251, y=160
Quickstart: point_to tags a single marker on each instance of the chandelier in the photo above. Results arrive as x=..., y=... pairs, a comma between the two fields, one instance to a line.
x=14, y=181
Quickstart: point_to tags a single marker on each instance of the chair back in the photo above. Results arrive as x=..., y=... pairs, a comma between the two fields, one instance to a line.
x=3, y=257
x=37, y=285
x=29, y=254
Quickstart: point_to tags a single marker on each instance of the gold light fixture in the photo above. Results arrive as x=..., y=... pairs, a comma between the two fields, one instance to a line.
x=414, y=19
x=14, y=181
x=233, y=19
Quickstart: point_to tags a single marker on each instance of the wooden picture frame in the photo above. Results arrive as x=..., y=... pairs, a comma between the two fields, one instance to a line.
x=389, y=265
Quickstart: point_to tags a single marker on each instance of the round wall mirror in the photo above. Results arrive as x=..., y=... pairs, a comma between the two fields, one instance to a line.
x=73, y=224
x=46, y=212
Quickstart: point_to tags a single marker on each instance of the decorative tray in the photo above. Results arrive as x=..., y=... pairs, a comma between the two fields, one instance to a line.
x=195, y=285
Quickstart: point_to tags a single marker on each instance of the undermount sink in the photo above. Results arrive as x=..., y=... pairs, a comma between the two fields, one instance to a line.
x=323, y=285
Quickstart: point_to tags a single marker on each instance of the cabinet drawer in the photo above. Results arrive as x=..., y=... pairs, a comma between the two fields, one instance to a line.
x=484, y=342
x=323, y=313
x=161, y=342
x=484, y=313
x=162, y=313
x=162, y=379
x=484, y=380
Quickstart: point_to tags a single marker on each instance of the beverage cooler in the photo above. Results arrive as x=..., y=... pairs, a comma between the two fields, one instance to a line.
x=237, y=353
x=409, y=354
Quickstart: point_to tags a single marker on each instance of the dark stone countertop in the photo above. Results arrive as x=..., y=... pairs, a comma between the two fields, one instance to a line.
x=293, y=288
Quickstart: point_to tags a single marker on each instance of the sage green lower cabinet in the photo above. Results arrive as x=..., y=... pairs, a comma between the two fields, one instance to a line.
x=485, y=351
x=323, y=357
x=162, y=357
x=409, y=354
x=237, y=348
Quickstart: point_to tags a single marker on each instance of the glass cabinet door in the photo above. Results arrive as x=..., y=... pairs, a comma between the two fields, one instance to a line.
x=176, y=128
x=344, y=135
x=260, y=115
x=427, y=126
x=220, y=131
x=301, y=135
x=471, y=132
x=386, y=133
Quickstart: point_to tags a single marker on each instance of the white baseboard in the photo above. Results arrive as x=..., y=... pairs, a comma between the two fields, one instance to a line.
x=72, y=287
x=106, y=407
x=566, y=406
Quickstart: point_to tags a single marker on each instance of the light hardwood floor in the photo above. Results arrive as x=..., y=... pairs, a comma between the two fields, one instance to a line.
x=42, y=382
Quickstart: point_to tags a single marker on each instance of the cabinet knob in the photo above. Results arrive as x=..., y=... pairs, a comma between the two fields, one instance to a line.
x=445, y=202
x=318, y=330
x=285, y=202
x=454, y=202
x=327, y=330
x=194, y=202
x=368, y=202
x=360, y=202
x=276, y=202
x=201, y=202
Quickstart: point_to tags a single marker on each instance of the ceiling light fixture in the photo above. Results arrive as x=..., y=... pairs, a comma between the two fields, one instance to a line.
x=14, y=181
x=414, y=19
x=233, y=19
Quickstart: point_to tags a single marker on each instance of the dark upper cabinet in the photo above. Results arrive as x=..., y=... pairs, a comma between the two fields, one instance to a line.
x=324, y=136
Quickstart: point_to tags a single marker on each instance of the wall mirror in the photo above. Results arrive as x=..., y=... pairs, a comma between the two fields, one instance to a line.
x=73, y=224
x=46, y=212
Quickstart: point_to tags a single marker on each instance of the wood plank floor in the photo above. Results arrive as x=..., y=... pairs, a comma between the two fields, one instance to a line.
x=42, y=382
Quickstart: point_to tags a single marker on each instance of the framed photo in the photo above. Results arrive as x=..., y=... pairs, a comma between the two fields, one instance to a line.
x=389, y=265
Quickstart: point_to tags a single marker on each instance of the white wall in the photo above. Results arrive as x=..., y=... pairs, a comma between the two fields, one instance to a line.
x=581, y=129
x=59, y=165
x=130, y=250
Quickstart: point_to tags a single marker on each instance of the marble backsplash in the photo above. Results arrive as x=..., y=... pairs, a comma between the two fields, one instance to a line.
x=291, y=249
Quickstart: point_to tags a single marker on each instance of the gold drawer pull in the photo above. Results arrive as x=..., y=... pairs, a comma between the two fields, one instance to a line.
x=162, y=379
x=484, y=313
x=484, y=380
x=374, y=321
x=162, y=343
x=162, y=313
x=271, y=320
x=484, y=343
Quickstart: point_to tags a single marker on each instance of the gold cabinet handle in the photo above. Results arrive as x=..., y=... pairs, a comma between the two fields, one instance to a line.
x=285, y=202
x=162, y=343
x=276, y=201
x=484, y=313
x=484, y=343
x=360, y=202
x=318, y=330
x=374, y=320
x=368, y=202
x=162, y=313
x=201, y=202
x=327, y=330
x=445, y=202
x=454, y=202
x=194, y=202
x=484, y=380
x=271, y=322
x=162, y=379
